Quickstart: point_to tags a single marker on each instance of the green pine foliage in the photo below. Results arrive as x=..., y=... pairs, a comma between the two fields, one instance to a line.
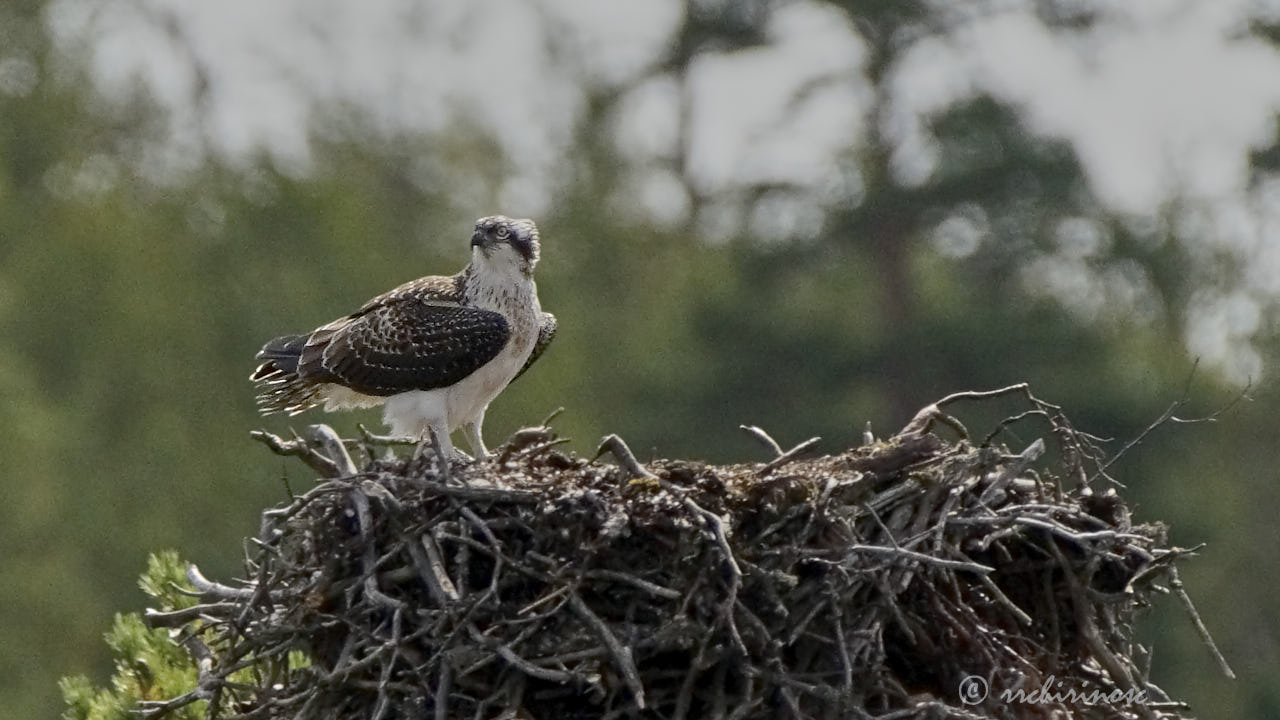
x=149, y=665
x=152, y=666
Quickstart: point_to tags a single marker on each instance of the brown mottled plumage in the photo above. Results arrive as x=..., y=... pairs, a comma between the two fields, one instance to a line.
x=443, y=347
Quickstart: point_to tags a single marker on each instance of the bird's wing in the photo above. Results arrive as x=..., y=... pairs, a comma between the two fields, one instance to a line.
x=446, y=288
x=404, y=340
x=546, y=332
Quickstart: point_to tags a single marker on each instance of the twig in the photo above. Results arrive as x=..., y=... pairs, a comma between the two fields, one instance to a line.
x=442, y=462
x=297, y=448
x=204, y=586
x=615, y=446
x=334, y=450
x=368, y=557
x=371, y=438
x=1020, y=462
x=177, y=618
x=731, y=561
x=1088, y=628
x=764, y=438
x=1081, y=538
x=443, y=685
x=207, y=684
x=1022, y=388
x=921, y=558
x=524, y=666
x=430, y=565
x=655, y=589
x=621, y=654
x=926, y=417
x=1023, y=618
x=530, y=441
x=788, y=456
x=1169, y=416
x=846, y=664
x=481, y=494
x=546, y=421
x=1201, y=630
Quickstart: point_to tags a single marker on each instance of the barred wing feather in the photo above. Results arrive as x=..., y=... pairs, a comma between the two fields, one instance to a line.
x=405, y=344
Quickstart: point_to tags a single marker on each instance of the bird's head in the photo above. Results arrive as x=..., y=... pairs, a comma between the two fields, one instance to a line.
x=501, y=242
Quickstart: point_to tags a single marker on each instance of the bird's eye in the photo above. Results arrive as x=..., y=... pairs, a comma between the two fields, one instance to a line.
x=501, y=232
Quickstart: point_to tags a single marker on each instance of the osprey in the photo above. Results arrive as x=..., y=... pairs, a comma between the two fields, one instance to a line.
x=433, y=352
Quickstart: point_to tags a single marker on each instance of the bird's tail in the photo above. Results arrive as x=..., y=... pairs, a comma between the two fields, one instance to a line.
x=281, y=355
x=280, y=387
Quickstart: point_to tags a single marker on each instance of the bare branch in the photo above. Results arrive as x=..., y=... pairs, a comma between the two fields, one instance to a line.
x=615, y=446
x=764, y=438
x=299, y=449
x=788, y=456
x=331, y=444
x=1199, y=625
x=621, y=654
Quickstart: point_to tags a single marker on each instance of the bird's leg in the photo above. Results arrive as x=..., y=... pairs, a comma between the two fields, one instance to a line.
x=446, y=445
x=474, y=439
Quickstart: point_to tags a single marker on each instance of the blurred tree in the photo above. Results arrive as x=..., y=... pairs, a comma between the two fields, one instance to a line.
x=132, y=301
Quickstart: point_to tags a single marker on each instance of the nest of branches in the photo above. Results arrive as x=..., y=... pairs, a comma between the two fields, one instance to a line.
x=911, y=577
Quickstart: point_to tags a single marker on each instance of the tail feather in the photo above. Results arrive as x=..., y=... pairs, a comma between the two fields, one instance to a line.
x=281, y=388
x=283, y=352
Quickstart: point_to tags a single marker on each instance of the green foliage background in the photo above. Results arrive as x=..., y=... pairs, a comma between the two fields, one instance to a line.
x=130, y=311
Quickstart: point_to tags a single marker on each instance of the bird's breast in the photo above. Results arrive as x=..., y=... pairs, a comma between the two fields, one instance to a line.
x=518, y=303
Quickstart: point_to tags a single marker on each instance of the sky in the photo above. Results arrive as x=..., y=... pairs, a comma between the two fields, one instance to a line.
x=1161, y=100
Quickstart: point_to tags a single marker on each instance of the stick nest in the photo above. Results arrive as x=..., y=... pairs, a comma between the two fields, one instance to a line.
x=538, y=585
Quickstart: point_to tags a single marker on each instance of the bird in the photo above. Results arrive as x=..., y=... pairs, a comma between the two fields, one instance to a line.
x=433, y=352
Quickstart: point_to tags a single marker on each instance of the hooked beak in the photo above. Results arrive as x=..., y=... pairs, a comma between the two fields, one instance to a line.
x=478, y=239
